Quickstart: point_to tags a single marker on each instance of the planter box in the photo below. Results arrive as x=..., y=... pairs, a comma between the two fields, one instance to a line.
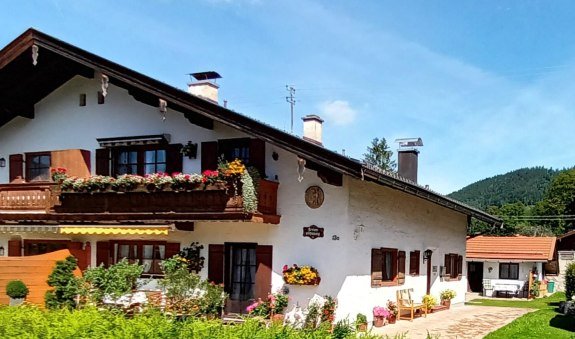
x=16, y=301
x=142, y=202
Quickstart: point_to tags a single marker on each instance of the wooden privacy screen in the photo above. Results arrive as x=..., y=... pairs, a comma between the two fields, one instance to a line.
x=33, y=271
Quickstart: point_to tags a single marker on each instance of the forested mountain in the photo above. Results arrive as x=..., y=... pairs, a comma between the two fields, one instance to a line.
x=525, y=185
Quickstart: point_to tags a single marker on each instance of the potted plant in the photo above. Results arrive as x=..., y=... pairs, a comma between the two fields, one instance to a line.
x=301, y=275
x=392, y=307
x=446, y=296
x=361, y=322
x=429, y=301
x=278, y=303
x=17, y=291
x=379, y=316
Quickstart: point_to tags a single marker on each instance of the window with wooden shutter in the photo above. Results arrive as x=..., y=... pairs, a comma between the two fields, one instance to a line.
x=209, y=156
x=103, y=161
x=16, y=163
x=447, y=265
x=400, y=267
x=174, y=159
x=14, y=248
x=258, y=155
x=376, y=267
x=384, y=266
x=216, y=263
x=263, y=283
x=414, y=260
x=453, y=266
x=459, y=266
x=103, y=253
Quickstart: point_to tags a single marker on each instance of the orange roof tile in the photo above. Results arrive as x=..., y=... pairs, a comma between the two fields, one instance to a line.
x=511, y=248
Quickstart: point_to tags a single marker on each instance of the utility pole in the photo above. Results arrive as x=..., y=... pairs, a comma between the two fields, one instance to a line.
x=291, y=100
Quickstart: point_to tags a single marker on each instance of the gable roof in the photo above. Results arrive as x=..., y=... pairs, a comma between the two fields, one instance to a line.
x=516, y=248
x=23, y=84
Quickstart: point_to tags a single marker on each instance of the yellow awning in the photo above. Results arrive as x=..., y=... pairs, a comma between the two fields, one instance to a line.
x=115, y=230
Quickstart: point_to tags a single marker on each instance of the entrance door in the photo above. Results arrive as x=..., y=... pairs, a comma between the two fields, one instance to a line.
x=475, y=276
x=245, y=269
x=240, y=276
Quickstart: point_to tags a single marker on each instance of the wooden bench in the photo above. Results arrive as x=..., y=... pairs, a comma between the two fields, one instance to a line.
x=406, y=303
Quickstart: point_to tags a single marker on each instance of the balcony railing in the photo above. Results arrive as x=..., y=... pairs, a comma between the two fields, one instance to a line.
x=27, y=197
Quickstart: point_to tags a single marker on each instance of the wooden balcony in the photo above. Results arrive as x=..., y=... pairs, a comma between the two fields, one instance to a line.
x=27, y=197
x=24, y=202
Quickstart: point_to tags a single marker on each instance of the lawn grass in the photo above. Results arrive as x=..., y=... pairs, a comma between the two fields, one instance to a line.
x=546, y=322
x=550, y=302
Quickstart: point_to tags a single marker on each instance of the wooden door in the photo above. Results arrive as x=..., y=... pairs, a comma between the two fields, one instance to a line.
x=475, y=276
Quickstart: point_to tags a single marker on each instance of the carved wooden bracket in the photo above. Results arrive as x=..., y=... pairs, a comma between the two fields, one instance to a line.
x=163, y=107
x=35, y=50
x=105, y=83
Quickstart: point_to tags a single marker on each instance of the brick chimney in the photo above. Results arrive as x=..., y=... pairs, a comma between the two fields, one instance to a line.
x=407, y=157
x=205, y=85
x=312, y=125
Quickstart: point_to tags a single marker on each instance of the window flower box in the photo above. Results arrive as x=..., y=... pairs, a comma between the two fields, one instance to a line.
x=301, y=275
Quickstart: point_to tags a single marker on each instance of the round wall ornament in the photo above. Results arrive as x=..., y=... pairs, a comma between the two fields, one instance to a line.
x=314, y=196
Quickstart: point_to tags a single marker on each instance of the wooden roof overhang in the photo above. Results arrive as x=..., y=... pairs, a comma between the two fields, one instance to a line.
x=63, y=61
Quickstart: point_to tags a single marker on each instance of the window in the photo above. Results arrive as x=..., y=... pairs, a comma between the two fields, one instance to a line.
x=35, y=247
x=414, y=262
x=453, y=266
x=148, y=254
x=384, y=266
x=140, y=160
x=38, y=166
x=232, y=149
x=509, y=271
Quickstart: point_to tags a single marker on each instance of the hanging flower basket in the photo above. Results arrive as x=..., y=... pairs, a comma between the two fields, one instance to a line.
x=301, y=275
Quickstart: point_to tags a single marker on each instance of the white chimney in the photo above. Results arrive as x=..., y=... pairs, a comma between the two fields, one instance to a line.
x=205, y=85
x=312, y=125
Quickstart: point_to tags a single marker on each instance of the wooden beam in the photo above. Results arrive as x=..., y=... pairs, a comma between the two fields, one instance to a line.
x=326, y=175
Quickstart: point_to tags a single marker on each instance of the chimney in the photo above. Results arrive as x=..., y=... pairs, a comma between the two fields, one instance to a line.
x=205, y=85
x=312, y=128
x=407, y=155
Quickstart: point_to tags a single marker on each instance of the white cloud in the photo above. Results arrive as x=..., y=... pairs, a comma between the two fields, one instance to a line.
x=338, y=112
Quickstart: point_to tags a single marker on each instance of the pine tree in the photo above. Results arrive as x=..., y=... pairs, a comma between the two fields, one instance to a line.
x=379, y=155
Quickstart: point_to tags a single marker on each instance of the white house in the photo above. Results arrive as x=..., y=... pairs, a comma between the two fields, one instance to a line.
x=375, y=232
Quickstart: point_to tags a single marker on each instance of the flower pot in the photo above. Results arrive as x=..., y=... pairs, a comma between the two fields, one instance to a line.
x=391, y=319
x=446, y=303
x=378, y=321
x=362, y=327
x=16, y=301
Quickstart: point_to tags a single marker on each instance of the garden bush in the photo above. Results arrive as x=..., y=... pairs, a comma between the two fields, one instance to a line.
x=65, y=285
x=16, y=289
x=114, y=281
x=570, y=281
x=32, y=322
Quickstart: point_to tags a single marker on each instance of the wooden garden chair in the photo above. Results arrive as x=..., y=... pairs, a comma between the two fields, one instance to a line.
x=406, y=303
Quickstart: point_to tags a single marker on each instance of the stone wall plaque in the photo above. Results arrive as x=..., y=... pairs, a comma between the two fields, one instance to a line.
x=314, y=196
x=313, y=232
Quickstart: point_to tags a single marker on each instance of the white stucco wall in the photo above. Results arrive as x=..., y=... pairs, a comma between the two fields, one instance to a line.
x=387, y=218
x=524, y=269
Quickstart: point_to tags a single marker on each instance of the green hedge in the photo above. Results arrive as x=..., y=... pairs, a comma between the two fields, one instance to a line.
x=570, y=281
x=31, y=322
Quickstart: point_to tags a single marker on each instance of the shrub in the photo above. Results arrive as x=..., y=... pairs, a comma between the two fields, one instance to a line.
x=16, y=289
x=429, y=301
x=570, y=281
x=114, y=281
x=360, y=318
x=66, y=285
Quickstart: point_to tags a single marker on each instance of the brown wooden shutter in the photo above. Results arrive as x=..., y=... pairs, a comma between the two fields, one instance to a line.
x=172, y=248
x=75, y=248
x=263, y=285
x=459, y=265
x=16, y=163
x=447, y=265
x=209, y=155
x=376, y=267
x=414, y=259
x=401, y=267
x=102, y=161
x=258, y=155
x=216, y=263
x=103, y=253
x=394, y=266
x=174, y=159
x=14, y=248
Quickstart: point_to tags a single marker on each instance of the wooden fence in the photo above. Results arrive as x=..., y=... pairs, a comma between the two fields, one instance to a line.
x=33, y=271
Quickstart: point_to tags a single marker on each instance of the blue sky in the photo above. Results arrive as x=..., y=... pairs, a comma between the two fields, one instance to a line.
x=488, y=85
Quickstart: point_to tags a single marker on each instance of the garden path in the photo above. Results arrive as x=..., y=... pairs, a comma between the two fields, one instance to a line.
x=461, y=321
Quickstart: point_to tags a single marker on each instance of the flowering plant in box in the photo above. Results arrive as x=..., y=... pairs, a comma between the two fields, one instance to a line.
x=304, y=275
x=181, y=181
x=380, y=311
x=59, y=174
x=158, y=181
x=127, y=182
